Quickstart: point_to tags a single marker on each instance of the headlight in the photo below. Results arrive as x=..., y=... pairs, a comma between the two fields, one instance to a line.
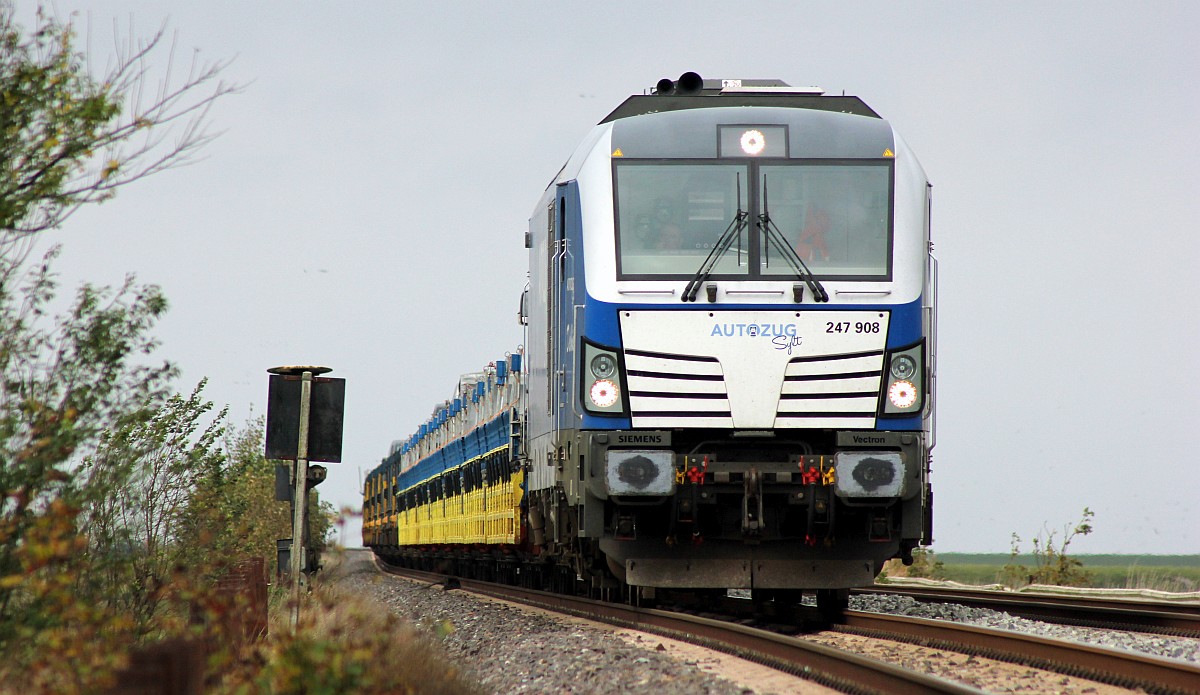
x=902, y=394
x=600, y=380
x=603, y=366
x=903, y=367
x=604, y=393
x=753, y=142
x=903, y=383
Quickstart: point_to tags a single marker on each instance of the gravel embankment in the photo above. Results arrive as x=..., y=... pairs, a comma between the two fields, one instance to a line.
x=513, y=650
x=517, y=650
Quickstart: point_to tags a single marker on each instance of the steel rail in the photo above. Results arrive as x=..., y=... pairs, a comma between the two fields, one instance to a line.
x=1177, y=619
x=1103, y=664
x=844, y=671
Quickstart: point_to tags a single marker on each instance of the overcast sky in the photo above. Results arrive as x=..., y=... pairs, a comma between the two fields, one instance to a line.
x=365, y=205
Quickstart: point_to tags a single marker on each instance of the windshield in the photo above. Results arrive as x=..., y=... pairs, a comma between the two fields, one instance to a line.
x=670, y=215
x=836, y=215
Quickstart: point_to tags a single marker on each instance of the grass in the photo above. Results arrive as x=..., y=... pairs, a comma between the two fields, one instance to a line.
x=1174, y=573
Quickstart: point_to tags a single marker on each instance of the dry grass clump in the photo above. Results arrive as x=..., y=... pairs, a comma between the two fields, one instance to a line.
x=1159, y=579
x=343, y=644
x=925, y=565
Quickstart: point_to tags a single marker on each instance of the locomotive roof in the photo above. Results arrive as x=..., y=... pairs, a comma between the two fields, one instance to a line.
x=641, y=104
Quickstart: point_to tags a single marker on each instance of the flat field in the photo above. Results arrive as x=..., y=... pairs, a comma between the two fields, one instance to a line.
x=1180, y=573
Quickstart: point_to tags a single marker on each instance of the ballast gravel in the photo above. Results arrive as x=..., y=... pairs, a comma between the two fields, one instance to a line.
x=517, y=650
x=1154, y=645
x=511, y=650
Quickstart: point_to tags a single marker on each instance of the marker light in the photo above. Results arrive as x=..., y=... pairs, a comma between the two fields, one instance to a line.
x=603, y=366
x=903, y=367
x=604, y=393
x=902, y=394
x=753, y=142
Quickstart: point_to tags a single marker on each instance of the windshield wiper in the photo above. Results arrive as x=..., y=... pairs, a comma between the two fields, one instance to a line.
x=774, y=236
x=733, y=231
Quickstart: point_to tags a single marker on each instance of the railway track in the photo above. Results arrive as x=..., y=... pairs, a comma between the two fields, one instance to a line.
x=850, y=672
x=1111, y=666
x=1163, y=618
x=839, y=670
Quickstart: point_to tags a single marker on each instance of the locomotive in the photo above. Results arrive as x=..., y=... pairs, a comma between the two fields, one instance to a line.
x=729, y=367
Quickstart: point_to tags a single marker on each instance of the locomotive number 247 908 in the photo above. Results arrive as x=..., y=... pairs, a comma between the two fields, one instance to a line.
x=845, y=327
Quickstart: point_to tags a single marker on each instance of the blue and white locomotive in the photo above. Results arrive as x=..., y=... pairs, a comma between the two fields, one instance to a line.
x=729, y=359
x=731, y=342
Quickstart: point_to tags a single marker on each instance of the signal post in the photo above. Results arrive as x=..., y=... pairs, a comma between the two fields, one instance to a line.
x=304, y=423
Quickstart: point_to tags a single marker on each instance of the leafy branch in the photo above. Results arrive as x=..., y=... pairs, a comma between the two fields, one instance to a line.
x=70, y=138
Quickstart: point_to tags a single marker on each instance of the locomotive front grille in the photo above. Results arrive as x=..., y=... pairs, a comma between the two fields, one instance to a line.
x=753, y=369
x=669, y=390
x=831, y=391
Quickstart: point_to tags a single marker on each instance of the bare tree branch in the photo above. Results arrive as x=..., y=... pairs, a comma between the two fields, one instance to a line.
x=70, y=138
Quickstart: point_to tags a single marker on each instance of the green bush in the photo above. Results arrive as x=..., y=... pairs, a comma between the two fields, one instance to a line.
x=1052, y=564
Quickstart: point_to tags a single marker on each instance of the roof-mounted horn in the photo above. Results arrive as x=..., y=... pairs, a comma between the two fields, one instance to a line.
x=689, y=83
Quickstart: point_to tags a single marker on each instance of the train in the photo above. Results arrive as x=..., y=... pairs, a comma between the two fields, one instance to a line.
x=728, y=374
